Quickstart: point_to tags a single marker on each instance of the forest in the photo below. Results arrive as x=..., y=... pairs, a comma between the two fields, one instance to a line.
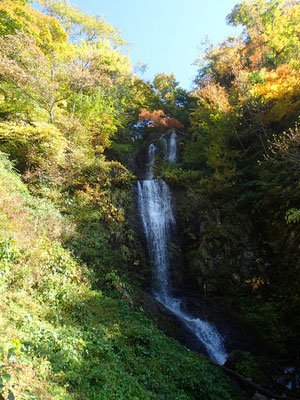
x=77, y=316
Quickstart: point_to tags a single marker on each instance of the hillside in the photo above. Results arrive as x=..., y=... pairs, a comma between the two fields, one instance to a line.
x=76, y=123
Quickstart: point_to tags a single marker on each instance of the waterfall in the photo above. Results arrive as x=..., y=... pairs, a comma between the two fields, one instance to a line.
x=155, y=208
x=151, y=154
x=170, y=147
x=154, y=204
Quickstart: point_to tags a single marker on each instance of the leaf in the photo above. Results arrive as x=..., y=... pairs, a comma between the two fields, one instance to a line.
x=11, y=395
x=11, y=354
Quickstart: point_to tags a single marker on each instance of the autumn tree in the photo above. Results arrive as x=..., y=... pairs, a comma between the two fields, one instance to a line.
x=79, y=25
x=171, y=97
x=279, y=93
x=45, y=31
x=157, y=119
x=221, y=63
x=30, y=71
x=68, y=73
x=270, y=30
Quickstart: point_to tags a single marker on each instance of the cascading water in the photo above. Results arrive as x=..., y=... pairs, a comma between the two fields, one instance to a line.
x=155, y=208
x=154, y=203
x=151, y=154
x=170, y=147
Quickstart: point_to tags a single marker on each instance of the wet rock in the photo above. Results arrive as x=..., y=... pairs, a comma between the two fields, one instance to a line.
x=259, y=396
x=168, y=322
x=236, y=335
x=236, y=279
x=234, y=358
x=211, y=287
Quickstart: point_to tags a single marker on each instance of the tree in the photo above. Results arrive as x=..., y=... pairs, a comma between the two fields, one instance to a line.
x=157, y=119
x=221, y=63
x=279, y=92
x=30, y=70
x=79, y=25
x=270, y=29
x=45, y=31
x=61, y=73
x=168, y=90
x=172, y=98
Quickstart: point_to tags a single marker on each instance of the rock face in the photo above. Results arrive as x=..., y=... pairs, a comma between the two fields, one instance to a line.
x=216, y=248
x=234, y=358
x=220, y=252
x=192, y=308
x=221, y=248
x=259, y=396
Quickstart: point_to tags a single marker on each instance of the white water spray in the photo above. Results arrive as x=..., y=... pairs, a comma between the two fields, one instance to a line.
x=154, y=203
x=170, y=147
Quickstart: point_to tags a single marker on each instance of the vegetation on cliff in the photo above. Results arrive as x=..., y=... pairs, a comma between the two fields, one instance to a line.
x=70, y=328
x=240, y=170
x=73, y=116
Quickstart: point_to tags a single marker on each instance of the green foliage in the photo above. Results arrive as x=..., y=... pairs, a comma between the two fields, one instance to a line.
x=64, y=340
x=257, y=76
x=293, y=216
x=272, y=26
x=252, y=368
x=8, y=256
x=32, y=145
x=239, y=206
x=179, y=176
x=172, y=97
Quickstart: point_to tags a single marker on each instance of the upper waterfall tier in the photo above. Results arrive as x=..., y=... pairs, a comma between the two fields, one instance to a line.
x=164, y=147
x=152, y=150
x=170, y=147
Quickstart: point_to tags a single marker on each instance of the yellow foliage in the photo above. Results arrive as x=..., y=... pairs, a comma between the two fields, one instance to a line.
x=257, y=283
x=281, y=87
x=45, y=30
x=214, y=96
x=39, y=140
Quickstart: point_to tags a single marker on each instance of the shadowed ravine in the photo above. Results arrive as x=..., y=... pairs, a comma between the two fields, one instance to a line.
x=154, y=203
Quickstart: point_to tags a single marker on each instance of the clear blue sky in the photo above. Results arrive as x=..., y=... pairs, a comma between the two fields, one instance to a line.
x=166, y=34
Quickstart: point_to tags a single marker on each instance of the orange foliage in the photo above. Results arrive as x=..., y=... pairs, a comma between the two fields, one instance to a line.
x=257, y=283
x=215, y=96
x=159, y=121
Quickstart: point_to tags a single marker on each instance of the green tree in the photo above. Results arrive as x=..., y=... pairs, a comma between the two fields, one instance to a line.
x=80, y=25
x=270, y=29
x=172, y=98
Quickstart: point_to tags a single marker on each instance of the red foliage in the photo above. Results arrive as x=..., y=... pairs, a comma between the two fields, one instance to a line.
x=159, y=121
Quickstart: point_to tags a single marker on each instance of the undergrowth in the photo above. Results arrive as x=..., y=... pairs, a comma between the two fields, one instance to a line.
x=61, y=336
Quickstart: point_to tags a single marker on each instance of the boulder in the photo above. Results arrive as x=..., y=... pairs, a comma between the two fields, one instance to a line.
x=234, y=358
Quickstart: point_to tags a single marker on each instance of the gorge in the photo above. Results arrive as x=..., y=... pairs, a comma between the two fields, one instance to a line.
x=149, y=234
